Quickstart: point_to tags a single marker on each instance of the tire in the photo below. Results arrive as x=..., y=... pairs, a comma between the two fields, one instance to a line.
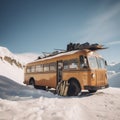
x=74, y=88
x=40, y=87
x=92, y=91
x=32, y=82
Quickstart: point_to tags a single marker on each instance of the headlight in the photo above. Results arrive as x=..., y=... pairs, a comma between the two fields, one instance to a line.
x=93, y=75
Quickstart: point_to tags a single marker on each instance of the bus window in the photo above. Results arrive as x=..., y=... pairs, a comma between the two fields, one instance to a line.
x=33, y=69
x=46, y=67
x=83, y=62
x=92, y=62
x=28, y=70
x=73, y=64
x=39, y=68
x=52, y=67
x=66, y=65
x=101, y=63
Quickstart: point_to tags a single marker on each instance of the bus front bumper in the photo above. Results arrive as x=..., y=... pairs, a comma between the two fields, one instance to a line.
x=95, y=87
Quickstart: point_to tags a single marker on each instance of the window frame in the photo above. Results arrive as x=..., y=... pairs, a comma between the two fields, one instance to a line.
x=46, y=66
x=93, y=65
x=39, y=68
x=51, y=65
x=67, y=63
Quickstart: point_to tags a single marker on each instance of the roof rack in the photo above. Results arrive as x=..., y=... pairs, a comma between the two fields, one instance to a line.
x=74, y=46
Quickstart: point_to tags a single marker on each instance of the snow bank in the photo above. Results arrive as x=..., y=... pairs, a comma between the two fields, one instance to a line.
x=11, y=90
x=11, y=71
x=103, y=105
x=45, y=106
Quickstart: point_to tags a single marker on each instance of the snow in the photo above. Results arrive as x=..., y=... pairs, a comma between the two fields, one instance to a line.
x=11, y=71
x=58, y=55
x=5, y=52
x=20, y=102
x=12, y=90
x=28, y=57
x=24, y=103
x=22, y=58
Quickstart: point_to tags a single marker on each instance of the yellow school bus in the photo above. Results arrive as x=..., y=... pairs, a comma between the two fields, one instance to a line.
x=69, y=72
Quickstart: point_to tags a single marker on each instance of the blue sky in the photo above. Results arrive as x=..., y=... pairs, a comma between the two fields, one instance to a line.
x=42, y=25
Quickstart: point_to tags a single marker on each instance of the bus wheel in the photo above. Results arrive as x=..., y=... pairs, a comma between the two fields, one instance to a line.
x=32, y=82
x=74, y=88
x=92, y=91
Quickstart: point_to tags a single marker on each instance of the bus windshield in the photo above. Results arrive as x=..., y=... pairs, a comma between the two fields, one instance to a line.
x=92, y=62
x=96, y=63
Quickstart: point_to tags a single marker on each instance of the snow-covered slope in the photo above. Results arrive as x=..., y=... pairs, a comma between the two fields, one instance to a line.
x=5, y=52
x=22, y=58
x=27, y=57
x=12, y=66
x=30, y=104
x=11, y=71
x=12, y=90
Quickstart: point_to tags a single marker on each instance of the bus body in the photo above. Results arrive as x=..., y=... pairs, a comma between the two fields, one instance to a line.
x=81, y=69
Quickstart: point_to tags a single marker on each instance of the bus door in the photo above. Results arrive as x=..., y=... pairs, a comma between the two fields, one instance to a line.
x=101, y=72
x=100, y=77
x=59, y=70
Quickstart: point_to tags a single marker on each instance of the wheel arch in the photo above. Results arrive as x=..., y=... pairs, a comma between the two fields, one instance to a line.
x=75, y=80
x=31, y=79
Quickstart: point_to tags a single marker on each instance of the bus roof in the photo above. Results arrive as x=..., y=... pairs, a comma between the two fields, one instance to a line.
x=63, y=54
x=72, y=49
x=84, y=51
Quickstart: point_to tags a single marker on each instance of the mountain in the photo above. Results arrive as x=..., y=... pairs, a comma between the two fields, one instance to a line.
x=27, y=57
x=114, y=80
x=24, y=58
x=114, y=75
x=7, y=56
x=12, y=65
x=114, y=67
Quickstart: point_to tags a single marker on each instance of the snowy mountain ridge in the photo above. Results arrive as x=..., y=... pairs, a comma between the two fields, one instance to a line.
x=114, y=67
x=114, y=75
x=23, y=59
x=27, y=57
x=12, y=66
x=5, y=52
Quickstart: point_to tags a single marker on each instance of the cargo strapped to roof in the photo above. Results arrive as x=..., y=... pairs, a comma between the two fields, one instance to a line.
x=75, y=46
x=78, y=46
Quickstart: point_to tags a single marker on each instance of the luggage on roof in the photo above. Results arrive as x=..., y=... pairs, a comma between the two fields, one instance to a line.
x=78, y=46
